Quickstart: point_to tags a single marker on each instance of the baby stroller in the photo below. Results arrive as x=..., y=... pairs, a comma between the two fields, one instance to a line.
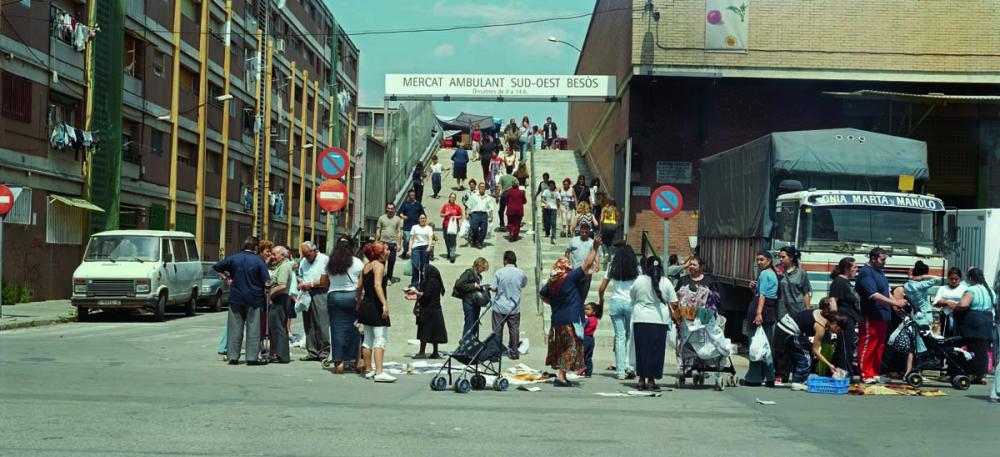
x=943, y=354
x=480, y=358
x=702, y=347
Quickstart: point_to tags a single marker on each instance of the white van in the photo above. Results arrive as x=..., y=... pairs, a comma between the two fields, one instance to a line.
x=129, y=269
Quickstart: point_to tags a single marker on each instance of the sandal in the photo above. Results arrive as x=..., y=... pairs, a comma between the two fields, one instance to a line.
x=641, y=386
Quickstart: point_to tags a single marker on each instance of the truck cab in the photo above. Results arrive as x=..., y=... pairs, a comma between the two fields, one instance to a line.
x=138, y=269
x=826, y=225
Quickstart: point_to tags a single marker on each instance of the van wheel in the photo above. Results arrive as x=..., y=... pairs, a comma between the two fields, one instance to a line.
x=82, y=314
x=216, y=305
x=160, y=312
x=191, y=308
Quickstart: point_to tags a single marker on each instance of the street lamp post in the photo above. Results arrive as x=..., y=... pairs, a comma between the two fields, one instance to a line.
x=556, y=40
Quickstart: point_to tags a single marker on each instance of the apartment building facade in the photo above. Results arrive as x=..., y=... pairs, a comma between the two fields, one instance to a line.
x=94, y=101
x=927, y=72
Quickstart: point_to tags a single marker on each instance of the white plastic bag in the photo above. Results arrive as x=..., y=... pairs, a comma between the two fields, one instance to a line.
x=760, y=348
x=452, y=226
x=463, y=230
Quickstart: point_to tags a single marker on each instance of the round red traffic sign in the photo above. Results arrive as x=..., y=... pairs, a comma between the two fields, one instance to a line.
x=333, y=163
x=331, y=195
x=666, y=201
x=6, y=200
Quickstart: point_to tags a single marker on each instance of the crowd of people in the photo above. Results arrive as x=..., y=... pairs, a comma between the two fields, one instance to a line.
x=345, y=309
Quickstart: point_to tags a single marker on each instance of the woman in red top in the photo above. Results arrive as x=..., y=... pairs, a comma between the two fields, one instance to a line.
x=515, y=211
x=452, y=215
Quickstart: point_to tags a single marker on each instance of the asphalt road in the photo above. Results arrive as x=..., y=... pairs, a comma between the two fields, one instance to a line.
x=128, y=386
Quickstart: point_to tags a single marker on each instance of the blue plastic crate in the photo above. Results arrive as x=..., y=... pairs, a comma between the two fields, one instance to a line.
x=827, y=385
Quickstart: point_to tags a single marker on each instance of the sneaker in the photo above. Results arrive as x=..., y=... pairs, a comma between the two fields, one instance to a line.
x=620, y=377
x=370, y=375
x=798, y=386
x=871, y=381
x=384, y=377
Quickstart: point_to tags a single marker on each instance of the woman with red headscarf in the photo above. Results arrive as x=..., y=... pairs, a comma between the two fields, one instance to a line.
x=563, y=294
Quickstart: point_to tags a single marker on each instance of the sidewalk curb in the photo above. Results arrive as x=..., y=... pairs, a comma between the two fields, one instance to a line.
x=38, y=322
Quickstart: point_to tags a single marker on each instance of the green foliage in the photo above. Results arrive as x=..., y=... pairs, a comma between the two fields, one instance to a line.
x=13, y=294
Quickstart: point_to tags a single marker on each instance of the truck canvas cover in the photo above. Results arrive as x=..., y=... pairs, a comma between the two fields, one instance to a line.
x=738, y=185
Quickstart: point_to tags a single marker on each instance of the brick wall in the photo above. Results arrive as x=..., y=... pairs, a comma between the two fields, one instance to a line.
x=913, y=36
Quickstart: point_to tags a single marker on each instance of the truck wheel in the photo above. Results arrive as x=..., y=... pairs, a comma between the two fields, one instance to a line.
x=82, y=314
x=216, y=305
x=160, y=312
x=191, y=308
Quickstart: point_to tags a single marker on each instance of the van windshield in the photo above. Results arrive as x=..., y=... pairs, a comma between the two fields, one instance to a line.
x=123, y=248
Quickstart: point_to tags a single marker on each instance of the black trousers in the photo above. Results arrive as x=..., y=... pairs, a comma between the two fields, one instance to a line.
x=277, y=315
x=549, y=222
x=847, y=344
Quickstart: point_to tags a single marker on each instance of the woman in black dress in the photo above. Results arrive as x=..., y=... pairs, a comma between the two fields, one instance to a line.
x=430, y=320
x=849, y=306
x=373, y=310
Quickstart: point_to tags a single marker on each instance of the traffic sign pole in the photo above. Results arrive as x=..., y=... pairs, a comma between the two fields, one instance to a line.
x=666, y=202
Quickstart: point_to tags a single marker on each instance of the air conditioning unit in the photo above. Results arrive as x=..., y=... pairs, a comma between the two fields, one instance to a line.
x=279, y=45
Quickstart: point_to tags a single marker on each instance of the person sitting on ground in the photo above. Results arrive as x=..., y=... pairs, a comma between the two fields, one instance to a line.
x=791, y=338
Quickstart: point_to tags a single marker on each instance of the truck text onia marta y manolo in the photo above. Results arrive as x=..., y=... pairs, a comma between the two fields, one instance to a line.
x=830, y=193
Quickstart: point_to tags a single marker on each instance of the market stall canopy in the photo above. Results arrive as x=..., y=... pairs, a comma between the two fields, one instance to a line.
x=465, y=121
x=76, y=202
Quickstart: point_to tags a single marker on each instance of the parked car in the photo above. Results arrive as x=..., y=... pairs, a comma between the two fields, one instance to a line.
x=214, y=291
x=138, y=269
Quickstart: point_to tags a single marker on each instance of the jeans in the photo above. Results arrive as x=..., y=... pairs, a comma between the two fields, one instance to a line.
x=406, y=239
x=392, y=258
x=762, y=370
x=795, y=349
x=451, y=242
x=421, y=257
x=223, y=344
x=479, y=222
x=344, y=338
x=471, y=314
x=549, y=222
x=621, y=319
x=588, y=354
x=436, y=183
x=524, y=150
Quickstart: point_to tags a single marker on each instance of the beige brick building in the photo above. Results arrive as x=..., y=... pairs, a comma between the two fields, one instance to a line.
x=808, y=65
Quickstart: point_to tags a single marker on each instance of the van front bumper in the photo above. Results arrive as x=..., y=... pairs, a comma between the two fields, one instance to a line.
x=114, y=302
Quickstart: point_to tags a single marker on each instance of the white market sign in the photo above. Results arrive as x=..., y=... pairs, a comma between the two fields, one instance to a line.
x=531, y=86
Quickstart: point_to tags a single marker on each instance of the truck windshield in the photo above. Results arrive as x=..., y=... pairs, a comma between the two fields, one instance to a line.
x=858, y=228
x=123, y=248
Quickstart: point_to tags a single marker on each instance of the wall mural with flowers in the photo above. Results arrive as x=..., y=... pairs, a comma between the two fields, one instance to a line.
x=727, y=25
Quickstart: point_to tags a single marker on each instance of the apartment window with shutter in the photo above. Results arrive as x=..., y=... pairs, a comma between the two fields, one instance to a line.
x=158, y=63
x=16, y=97
x=63, y=224
x=156, y=142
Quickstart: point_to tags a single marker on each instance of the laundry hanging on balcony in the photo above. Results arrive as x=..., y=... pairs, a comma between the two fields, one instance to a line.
x=72, y=31
x=65, y=136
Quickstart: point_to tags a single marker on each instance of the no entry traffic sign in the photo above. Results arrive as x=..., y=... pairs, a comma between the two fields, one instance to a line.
x=6, y=200
x=331, y=195
x=333, y=163
x=666, y=201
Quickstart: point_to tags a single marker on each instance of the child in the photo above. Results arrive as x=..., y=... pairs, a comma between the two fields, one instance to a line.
x=593, y=311
x=436, y=170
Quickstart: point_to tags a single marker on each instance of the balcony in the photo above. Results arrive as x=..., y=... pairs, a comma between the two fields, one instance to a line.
x=136, y=10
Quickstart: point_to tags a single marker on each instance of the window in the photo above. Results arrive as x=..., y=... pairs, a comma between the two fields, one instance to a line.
x=190, y=10
x=62, y=112
x=134, y=53
x=156, y=142
x=192, y=249
x=63, y=224
x=213, y=92
x=185, y=153
x=16, y=97
x=213, y=162
x=158, y=63
x=20, y=213
x=165, y=248
x=215, y=27
x=180, y=254
x=189, y=81
x=231, y=169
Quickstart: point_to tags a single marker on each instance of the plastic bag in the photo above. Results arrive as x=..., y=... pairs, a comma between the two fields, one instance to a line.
x=463, y=229
x=408, y=269
x=760, y=348
x=452, y=226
